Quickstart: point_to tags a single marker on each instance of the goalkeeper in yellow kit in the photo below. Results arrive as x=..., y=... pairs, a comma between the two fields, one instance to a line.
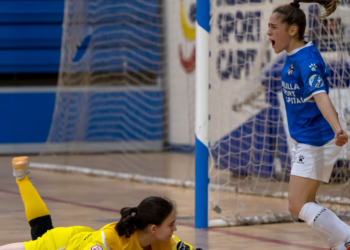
x=149, y=226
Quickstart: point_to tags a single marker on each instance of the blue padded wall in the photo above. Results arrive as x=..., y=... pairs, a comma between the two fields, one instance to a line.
x=30, y=36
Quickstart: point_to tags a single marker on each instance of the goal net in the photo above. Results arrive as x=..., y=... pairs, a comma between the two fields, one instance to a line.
x=112, y=107
x=125, y=101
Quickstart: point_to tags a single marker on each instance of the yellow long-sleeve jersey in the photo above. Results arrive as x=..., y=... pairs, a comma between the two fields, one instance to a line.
x=107, y=238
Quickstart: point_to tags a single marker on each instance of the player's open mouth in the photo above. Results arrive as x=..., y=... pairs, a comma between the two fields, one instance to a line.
x=273, y=43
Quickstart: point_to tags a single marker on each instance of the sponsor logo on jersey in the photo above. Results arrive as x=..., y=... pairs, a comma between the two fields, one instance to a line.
x=87, y=237
x=96, y=247
x=315, y=82
x=290, y=86
x=183, y=246
x=291, y=70
x=313, y=67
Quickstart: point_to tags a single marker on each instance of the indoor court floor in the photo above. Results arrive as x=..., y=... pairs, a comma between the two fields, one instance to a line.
x=74, y=199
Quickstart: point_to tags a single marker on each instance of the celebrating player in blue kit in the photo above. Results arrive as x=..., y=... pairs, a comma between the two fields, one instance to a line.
x=312, y=120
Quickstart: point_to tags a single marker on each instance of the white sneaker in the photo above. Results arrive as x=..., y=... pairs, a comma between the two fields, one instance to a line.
x=20, y=167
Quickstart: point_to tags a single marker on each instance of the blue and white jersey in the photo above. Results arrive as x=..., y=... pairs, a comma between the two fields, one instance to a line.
x=305, y=74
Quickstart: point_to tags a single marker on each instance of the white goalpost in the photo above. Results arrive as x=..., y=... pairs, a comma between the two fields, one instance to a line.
x=202, y=115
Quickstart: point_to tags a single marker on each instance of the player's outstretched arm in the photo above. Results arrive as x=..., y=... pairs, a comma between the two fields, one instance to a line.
x=13, y=246
x=325, y=105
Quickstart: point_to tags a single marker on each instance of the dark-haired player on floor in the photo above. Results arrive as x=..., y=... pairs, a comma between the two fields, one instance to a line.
x=149, y=226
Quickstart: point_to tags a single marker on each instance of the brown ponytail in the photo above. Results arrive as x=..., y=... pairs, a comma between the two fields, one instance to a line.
x=329, y=5
x=126, y=225
x=292, y=14
x=152, y=210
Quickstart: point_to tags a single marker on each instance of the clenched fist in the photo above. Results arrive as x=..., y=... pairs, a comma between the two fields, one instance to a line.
x=341, y=138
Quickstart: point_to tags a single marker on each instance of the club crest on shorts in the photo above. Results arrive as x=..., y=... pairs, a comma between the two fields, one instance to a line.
x=315, y=82
x=96, y=247
x=290, y=70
